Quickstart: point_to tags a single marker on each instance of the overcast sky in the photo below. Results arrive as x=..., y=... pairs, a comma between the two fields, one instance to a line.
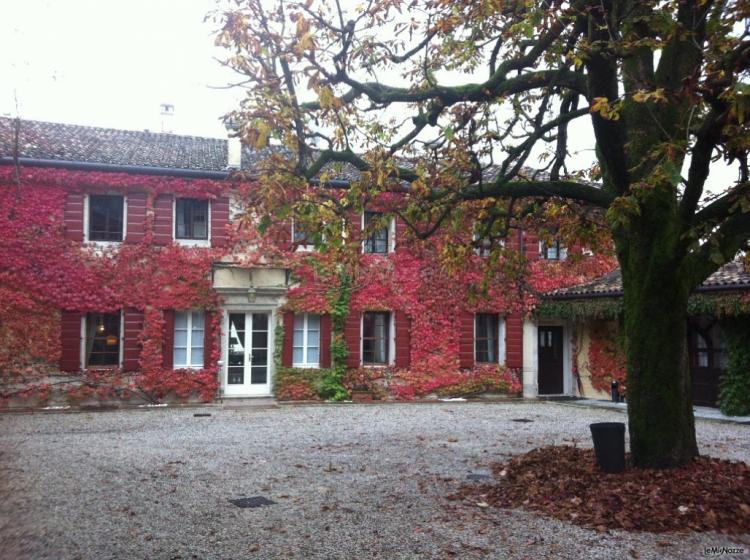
x=112, y=63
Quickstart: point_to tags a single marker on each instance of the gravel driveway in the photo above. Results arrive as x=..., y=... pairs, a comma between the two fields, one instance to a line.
x=348, y=481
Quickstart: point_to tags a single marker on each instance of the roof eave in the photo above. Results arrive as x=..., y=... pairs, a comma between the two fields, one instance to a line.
x=619, y=293
x=117, y=168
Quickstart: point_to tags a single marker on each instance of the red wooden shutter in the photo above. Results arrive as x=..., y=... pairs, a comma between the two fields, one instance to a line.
x=209, y=338
x=73, y=216
x=401, y=228
x=466, y=340
x=352, y=337
x=531, y=245
x=514, y=341
x=131, y=352
x=288, y=348
x=403, y=340
x=325, y=341
x=167, y=349
x=163, y=219
x=219, y=221
x=70, y=341
x=136, y=217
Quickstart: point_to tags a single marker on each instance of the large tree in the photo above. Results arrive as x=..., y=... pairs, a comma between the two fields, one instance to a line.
x=454, y=100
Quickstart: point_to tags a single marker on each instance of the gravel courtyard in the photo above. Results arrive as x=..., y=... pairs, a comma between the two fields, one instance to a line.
x=348, y=481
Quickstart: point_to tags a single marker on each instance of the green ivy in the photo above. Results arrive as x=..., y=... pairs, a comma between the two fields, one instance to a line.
x=278, y=346
x=715, y=304
x=734, y=392
x=579, y=310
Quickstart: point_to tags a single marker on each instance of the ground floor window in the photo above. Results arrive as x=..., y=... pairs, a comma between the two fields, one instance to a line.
x=102, y=339
x=376, y=338
x=306, y=340
x=188, y=338
x=486, y=339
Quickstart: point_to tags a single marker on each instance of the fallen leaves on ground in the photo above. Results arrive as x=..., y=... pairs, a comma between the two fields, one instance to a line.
x=564, y=482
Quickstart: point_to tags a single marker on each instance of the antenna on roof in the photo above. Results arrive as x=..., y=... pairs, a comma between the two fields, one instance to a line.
x=167, y=116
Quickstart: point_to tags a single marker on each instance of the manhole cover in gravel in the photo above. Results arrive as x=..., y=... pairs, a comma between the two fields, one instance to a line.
x=478, y=477
x=522, y=420
x=252, y=502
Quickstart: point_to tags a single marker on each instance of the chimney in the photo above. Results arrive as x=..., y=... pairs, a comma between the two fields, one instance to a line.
x=167, y=117
x=234, y=152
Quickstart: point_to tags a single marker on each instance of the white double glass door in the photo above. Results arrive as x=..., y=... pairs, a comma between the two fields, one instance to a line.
x=248, y=354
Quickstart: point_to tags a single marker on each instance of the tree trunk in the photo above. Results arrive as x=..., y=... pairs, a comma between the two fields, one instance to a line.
x=660, y=411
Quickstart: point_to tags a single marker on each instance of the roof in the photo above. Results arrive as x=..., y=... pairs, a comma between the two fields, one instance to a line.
x=65, y=145
x=731, y=276
x=68, y=143
x=109, y=146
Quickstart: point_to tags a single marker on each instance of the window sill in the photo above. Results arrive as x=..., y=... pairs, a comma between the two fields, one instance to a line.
x=377, y=366
x=193, y=242
x=193, y=368
x=104, y=244
x=306, y=366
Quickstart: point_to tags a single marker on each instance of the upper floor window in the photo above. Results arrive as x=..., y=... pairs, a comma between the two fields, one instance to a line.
x=482, y=245
x=301, y=238
x=378, y=237
x=306, y=340
x=191, y=219
x=188, y=338
x=106, y=217
x=102, y=339
x=486, y=338
x=376, y=338
x=552, y=251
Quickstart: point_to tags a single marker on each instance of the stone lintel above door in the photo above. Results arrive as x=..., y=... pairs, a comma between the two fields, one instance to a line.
x=254, y=287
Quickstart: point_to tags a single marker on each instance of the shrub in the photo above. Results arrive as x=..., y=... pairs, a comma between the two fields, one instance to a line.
x=734, y=390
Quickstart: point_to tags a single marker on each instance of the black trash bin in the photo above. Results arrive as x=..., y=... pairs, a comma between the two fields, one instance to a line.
x=609, y=445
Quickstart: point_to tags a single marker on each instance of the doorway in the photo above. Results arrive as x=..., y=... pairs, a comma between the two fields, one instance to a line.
x=248, y=354
x=551, y=360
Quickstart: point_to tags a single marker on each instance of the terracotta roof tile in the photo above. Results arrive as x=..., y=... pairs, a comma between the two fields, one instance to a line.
x=731, y=275
x=68, y=142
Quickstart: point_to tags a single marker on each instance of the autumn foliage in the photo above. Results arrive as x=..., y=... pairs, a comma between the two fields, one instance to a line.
x=433, y=281
x=564, y=482
x=606, y=359
x=44, y=272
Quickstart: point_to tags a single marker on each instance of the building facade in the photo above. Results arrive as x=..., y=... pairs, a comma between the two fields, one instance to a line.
x=136, y=248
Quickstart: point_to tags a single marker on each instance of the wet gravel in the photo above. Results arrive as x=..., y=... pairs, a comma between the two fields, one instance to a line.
x=347, y=481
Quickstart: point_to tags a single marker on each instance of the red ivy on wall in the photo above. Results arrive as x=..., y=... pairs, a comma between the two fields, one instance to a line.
x=606, y=359
x=43, y=272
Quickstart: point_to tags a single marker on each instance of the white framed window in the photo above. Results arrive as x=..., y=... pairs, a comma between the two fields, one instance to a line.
x=306, y=346
x=378, y=338
x=300, y=239
x=483, y=240
x=105, y=219
x=381, y=240
x=489, y=338
x=102, y=340
x=188, y=339
x=552, y=251
x=483, y=246
x=191, y=219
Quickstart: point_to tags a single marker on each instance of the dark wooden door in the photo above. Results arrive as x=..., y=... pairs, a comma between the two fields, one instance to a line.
x=550, y=360
x=706, y=361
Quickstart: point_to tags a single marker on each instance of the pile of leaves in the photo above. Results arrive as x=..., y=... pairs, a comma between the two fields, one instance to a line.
x=564, y=482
